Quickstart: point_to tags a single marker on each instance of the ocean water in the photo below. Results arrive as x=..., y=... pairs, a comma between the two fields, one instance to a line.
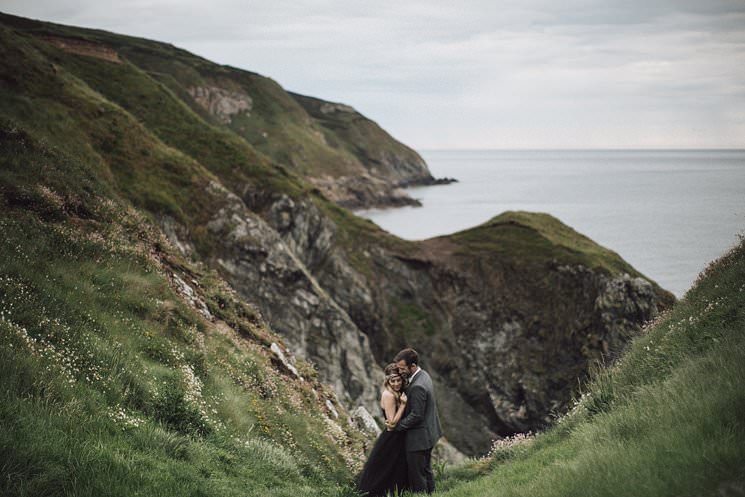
x=667, y=212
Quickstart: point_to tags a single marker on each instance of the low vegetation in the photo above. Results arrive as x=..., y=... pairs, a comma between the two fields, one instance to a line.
x=665, y=420
x=115, y=379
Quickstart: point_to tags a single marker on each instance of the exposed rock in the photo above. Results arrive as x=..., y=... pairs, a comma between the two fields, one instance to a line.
x=329, y=107
x=365, y=421
x=363, y=191
x=191, y=296
x=261, y=267
x=84, y=47
x=220, y=102
x=505, y=342
x=287, y=364
x=176, y=235
x=332, y=410
x=445, y=452
x=426, y=182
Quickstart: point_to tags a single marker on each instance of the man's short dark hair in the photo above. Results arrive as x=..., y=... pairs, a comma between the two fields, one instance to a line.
x=408, y=355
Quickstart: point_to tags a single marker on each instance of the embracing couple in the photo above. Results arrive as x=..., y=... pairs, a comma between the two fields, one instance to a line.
x=401, y=458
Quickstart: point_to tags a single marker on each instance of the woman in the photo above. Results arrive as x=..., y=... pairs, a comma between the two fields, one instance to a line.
x=385, y=471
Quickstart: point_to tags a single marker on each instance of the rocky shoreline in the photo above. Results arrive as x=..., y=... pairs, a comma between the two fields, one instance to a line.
x=427, y=182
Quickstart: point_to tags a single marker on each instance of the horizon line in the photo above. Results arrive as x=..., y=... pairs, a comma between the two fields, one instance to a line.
x=576, y=149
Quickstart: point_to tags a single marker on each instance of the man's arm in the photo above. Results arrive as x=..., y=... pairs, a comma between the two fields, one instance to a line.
x=418, y=402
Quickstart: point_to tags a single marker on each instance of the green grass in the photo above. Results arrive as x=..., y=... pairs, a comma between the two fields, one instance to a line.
x=665, y=420
x=111, y=384
x=412, y=319
x=364, y=139
x=278, y=127
x=537, y=236
x=530, y=238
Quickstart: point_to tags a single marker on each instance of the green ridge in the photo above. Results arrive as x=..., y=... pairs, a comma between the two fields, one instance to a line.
x=277, y=125
x=538, y=238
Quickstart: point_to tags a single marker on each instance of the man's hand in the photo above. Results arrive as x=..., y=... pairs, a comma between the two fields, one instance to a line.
x=417, y=400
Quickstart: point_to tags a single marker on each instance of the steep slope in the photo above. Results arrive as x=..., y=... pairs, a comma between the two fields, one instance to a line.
x=125, y=369
x=255, y=108
x=164, y=172
x=665, y=420
x=507, y=316
x=381, y=154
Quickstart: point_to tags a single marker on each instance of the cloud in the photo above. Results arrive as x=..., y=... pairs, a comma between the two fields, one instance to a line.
x=481, y=74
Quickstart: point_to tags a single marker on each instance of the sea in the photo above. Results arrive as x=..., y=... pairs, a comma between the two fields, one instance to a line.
x=666, y=212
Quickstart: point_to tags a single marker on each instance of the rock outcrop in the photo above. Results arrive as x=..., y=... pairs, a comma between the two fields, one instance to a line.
x=506, y=339
x=362, y=191
x=84, y=47
x=255, y=260
x=221, y=103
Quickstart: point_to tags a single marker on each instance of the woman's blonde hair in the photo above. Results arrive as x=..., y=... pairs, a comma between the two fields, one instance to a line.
x=391, y=371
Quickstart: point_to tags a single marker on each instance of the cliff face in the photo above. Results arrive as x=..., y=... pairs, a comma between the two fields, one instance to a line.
x=255, y=260
x=507, y=315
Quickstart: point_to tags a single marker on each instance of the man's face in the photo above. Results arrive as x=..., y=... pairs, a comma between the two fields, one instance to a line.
x=404, y=369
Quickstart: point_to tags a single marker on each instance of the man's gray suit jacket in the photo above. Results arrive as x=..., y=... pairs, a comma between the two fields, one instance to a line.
x=420, y=422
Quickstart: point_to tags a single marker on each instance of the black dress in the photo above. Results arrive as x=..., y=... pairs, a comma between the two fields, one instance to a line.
x=385, y=471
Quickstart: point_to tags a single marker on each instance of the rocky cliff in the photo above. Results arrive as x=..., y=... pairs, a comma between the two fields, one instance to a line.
x=508, y=316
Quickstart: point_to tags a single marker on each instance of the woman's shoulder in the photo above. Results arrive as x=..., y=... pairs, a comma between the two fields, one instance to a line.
x=386, y=395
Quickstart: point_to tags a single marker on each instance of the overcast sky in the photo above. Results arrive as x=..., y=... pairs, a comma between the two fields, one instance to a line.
x=474, y=74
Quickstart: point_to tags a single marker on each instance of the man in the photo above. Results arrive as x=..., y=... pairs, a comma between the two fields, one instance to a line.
x=420, y=422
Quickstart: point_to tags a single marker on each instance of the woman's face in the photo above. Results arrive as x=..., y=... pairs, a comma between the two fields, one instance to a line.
x=396, y=383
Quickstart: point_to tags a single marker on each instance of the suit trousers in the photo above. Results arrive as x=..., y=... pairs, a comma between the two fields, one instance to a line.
x=421, y=477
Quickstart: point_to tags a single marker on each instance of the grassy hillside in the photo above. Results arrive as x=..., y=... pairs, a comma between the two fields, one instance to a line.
x=115, y=379
x=380, y=153
x=276, y=125
x=666, y=420
x=531, y=236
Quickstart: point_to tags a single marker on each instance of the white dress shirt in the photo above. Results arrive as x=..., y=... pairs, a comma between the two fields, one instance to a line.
x=415, y=373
